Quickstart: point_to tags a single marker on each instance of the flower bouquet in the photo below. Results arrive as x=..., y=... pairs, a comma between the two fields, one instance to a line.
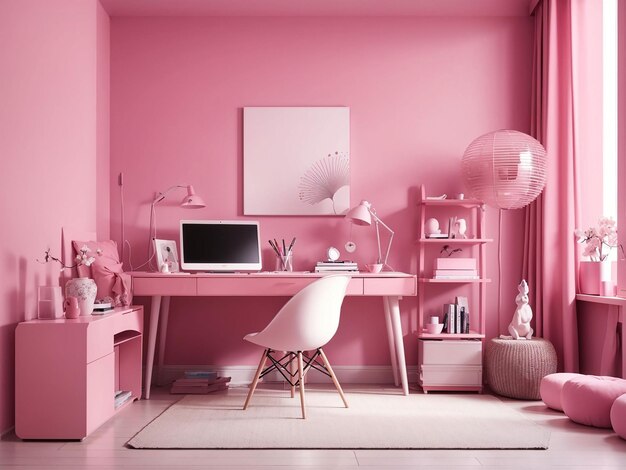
x=596, y=275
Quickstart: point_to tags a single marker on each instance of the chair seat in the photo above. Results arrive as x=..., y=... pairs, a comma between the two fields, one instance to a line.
x=306, y=323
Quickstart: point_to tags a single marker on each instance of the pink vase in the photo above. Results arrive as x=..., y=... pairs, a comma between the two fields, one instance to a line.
x=596, y=277
x=84, y=289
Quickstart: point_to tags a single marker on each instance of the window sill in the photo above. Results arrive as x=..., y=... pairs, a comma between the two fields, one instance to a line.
x=600, y=299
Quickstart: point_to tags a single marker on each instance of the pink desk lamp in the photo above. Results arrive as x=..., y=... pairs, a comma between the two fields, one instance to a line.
x=363, y=215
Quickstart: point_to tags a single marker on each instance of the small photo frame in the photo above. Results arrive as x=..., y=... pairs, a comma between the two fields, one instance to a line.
x=166, y=255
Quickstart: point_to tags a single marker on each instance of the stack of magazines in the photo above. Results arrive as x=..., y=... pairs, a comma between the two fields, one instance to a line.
x=336, y=266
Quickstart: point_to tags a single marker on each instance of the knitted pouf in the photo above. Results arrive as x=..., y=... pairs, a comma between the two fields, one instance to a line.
x=514, y=368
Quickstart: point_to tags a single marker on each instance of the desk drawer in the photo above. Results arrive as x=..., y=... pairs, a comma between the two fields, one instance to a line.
x=129, y=321
x=183, y=286
x=254, y=286
x=279, y=286
x=390, y=286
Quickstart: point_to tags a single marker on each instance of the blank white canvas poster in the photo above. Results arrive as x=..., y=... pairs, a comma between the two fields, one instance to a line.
x=296, y=160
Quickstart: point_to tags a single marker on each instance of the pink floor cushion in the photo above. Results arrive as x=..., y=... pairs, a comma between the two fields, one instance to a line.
x=588, y=399
x=552, y=386
x=618, y=416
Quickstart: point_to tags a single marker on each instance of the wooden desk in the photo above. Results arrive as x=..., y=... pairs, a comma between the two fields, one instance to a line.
x=160, y=287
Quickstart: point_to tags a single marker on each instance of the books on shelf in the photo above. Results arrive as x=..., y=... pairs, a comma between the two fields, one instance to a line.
x=456, y=319
x=199, y=385
x=335, y=266
x=456, y=272
x=455, y=263
x=121, y=397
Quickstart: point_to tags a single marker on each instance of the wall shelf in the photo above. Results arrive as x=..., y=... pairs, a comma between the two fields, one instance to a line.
x=459, y=241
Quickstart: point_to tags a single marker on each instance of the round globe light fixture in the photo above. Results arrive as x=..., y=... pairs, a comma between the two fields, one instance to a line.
x=506, y=169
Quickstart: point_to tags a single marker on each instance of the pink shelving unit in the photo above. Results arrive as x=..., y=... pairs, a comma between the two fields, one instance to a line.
x=452, y=361
x=68, y=371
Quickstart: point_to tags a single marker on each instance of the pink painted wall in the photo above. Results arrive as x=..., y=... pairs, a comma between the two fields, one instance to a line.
x=103, y=137
x=419, y=89
x=49, y=148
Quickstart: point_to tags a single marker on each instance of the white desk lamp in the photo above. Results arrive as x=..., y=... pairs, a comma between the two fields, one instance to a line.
x=363, y=215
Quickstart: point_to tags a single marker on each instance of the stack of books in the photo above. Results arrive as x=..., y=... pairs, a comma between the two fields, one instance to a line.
x=121, y=397
x=200, y=374
x=456, y=319
x=336, y=266
x=455, y=268
x=199, y=385
x=102, y=307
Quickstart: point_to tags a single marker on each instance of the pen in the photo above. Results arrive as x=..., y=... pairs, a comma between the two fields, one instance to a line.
x=284, y=248
x=293, y=242
x=277, y=248
x=274, y=247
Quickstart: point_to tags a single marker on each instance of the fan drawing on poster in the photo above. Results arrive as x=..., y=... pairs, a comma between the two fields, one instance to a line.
x=296, y=161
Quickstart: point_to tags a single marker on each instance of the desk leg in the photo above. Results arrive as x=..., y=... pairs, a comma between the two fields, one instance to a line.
x=390, y=338
x=394, y=309
x=165, y=315
x=152, y=333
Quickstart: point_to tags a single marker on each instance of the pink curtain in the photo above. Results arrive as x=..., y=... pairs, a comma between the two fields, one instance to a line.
x=550, y=254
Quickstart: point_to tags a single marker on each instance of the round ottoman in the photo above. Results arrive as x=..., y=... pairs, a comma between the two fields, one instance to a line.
x=552, y=386
x=618, y=416
x=514, y=368
x=588, y=399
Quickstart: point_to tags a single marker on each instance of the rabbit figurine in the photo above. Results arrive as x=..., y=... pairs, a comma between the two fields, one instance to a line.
x=460, y=228
x=519, y=328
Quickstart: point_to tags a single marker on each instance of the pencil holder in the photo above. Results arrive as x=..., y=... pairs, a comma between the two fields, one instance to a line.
x=284, y=262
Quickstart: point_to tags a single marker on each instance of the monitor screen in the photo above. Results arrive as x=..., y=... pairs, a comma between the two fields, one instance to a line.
x=220, y=245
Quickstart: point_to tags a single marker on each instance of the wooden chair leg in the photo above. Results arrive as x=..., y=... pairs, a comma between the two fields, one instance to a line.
x=292, y=370
x=301, y=378
x=256, y=378
x=333, y=376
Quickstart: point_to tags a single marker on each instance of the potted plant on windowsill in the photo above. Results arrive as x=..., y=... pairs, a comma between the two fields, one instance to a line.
x=597, y=275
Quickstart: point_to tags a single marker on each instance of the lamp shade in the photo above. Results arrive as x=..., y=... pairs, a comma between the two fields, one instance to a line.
x=506, y=169
x=360, y=215
x=192, y=200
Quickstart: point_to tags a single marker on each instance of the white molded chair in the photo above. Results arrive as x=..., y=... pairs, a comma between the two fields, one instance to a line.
x=306, y=323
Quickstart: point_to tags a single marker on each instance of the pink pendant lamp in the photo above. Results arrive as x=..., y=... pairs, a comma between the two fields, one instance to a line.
x=506, y=169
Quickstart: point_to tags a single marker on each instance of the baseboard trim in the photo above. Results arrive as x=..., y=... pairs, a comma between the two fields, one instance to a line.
x=244, y=374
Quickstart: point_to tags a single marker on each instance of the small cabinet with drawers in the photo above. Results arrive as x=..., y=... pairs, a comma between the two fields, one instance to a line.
x=68, y=372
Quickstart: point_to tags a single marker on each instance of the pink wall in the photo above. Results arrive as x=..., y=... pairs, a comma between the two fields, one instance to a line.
x=419, y=91
x=48, y=143
x=103, y=137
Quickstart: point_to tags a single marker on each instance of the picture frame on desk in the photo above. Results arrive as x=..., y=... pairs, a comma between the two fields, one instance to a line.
x=166, y=255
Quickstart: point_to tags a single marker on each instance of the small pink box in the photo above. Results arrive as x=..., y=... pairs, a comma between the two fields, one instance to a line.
x=455, y=263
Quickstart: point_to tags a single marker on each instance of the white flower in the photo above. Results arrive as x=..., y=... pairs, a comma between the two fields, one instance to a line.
x=596, y=239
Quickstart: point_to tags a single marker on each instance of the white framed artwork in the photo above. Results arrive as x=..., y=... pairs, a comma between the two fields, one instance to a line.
x=166, y=256
x=296, y=160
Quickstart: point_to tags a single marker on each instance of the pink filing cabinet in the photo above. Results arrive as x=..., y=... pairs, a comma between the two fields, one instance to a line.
x=67, y=372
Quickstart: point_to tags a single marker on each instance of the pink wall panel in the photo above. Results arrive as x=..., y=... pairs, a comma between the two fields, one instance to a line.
x=419, y=91
x=48, y=148
x=103, y=138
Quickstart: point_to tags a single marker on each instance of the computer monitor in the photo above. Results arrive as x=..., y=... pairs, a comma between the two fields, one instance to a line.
x=220, y=245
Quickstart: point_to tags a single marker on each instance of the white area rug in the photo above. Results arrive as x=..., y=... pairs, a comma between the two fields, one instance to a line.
x=374, y=421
